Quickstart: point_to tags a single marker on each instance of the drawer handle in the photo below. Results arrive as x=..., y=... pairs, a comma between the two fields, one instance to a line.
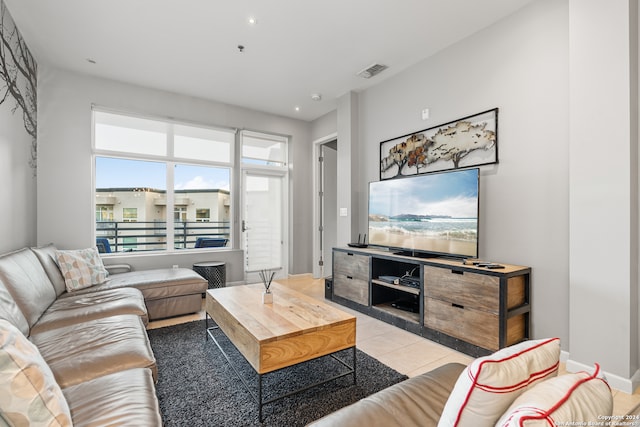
x=457, y=272
x=457, y=305
x=349, y=277
x=349, y=253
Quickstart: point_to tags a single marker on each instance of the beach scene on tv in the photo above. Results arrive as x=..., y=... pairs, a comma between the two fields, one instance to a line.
x=427, y=213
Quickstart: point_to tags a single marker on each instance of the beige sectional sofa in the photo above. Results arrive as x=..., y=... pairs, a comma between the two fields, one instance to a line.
x=82, y=357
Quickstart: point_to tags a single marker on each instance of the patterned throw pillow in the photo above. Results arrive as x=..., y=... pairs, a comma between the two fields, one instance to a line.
x=29, y=394
x=574, y=399
x=81, y=268
x=487, y=387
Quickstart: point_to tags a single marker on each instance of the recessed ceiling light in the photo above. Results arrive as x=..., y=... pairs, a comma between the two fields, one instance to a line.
x=252, y=20
x=316, y=96
x=296, y=108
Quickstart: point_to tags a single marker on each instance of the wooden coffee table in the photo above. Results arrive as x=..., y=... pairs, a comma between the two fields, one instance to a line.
x=296, y=328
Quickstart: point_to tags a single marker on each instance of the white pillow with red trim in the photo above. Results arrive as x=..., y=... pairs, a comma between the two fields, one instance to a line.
x=572, y=399
x=490, y=384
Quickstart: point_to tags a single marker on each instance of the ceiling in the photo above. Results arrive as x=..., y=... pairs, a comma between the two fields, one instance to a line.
x=295, y=49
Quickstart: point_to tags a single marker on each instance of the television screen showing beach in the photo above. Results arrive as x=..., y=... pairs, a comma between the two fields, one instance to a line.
x=431, y=213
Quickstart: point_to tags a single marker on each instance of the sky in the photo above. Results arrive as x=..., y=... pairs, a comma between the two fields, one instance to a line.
x=122, y=173
x=452, y=193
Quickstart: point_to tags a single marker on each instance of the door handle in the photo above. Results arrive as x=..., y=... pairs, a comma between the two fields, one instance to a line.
x=244, y=226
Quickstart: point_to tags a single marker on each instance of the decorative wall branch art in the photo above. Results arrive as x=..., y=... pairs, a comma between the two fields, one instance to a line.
x=18, y=77
x=470, y=141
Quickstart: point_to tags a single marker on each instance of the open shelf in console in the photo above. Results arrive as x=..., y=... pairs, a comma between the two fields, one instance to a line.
x=384, y=269
x=396, y=299
x=401, y=288
x=406, y=315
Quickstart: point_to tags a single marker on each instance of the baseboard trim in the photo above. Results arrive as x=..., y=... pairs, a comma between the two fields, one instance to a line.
x=625, y=385
x=300, y=276
x=241, y=282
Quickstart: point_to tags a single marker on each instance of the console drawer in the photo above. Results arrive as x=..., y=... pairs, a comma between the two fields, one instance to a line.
x=474, y=326
x=350, y=264
x=351, y=288
x=478, y=291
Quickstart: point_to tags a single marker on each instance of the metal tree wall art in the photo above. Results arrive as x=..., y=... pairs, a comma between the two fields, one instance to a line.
x=470, y=141
x=18, y=75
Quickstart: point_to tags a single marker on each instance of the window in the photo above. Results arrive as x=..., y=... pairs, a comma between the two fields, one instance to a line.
x=180, y=213
x=262, y=149
x=104, y=213
x=129, y=214
x=203, y=215
x=145, y=169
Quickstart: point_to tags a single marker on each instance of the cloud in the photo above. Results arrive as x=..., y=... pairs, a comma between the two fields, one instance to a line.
x=200, y=183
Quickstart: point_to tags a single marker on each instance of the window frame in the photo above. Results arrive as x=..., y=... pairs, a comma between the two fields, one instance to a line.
x=170, y=162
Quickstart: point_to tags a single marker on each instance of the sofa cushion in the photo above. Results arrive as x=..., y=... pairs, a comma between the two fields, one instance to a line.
x=94, y=305
x=417, y=401
x=487, y=387
x=47, y=256
x=81, y=268
x=27, y=282
x=29, y=394
x=571, y=399
x=10, y=312
x=122, y=398
x=95, y=348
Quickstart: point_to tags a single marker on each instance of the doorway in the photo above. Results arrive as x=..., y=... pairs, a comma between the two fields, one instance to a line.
x=325, y=205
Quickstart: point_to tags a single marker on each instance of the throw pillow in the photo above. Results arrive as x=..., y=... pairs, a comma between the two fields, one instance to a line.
x=81, y=268
x=487, y=387
x=29, y=394
x=572, y=399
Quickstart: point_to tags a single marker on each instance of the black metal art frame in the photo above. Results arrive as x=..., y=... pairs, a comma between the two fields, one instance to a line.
x=466, y=142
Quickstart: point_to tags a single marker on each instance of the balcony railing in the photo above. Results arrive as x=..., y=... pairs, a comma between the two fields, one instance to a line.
x=152, y=235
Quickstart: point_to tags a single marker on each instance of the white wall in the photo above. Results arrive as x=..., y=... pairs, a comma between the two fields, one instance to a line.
x=64, y=179
x=324, y=125
x=348, y=165
x=17, y=182
x=604, y=188
x=520, y=66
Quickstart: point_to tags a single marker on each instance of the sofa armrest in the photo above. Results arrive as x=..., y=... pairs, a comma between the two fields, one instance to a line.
x=417, y=401
x=118, y=268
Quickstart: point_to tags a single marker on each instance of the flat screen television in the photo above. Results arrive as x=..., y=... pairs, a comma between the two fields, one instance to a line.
x=426, y=215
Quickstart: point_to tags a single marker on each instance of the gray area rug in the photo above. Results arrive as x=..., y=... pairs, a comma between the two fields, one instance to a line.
x=197, y=387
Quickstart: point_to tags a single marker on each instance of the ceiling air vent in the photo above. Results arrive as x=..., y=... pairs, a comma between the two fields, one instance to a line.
x=372, y=70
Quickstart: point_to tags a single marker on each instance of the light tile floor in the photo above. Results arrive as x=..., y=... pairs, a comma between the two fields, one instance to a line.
x=403, y=351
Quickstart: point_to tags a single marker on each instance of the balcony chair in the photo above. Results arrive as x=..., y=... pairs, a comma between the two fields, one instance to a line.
x=103, y=245
x=208, y=242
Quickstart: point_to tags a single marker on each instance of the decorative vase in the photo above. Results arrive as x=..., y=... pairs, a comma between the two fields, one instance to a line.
x=267, y=297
